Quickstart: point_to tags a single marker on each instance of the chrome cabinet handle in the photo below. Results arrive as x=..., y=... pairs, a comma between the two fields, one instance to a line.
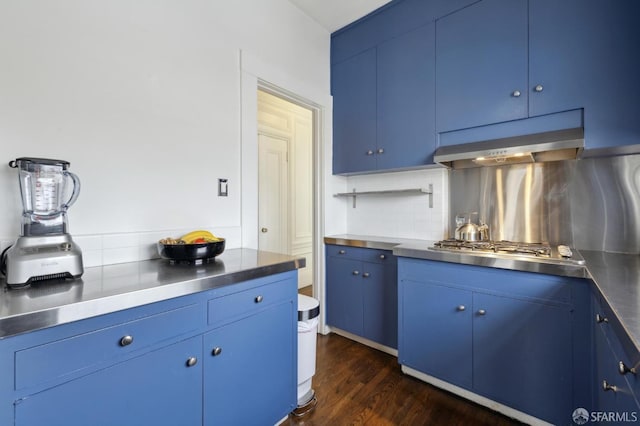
x=607, y=387
x=264, y=230
x=383, y=257
x=258, y=299
x=380, y=151
x=623, y=369
x=539, y=88
x=482, y=312
x=365, y=275
x=356, y=272
x=516, y=93
x=216, y=351
x=600, y=318
x=341, y=252
x=191, y=361
x=370, y=152
x=126, y=340
x=461, y=308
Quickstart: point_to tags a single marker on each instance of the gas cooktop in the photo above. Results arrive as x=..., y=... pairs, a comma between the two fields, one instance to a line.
x=532, y=251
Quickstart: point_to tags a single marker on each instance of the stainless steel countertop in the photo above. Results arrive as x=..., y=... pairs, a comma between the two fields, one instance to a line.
x=111, y=288
x=424, y=250
x=616, y=276
x=380, y=243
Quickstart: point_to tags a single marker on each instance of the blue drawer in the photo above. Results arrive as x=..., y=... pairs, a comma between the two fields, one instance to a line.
x=56, y=359
x=244, y=303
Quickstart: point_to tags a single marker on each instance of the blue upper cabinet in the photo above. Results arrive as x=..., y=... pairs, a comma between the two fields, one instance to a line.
x=406, y=101
x=481, y=65
x=384, y=105
x=383, y=87
x=354, y=113
x=523, y=66
x=583, y=54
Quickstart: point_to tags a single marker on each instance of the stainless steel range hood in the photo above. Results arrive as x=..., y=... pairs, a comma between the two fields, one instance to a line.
x=549, y=146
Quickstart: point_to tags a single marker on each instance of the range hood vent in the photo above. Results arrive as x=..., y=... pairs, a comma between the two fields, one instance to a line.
x=540, y=147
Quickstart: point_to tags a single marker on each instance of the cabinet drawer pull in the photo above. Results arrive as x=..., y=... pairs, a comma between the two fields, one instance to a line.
x=380, y=151
x=258, y=299
x=341, y=252
x=370, y=152
x=482, y=312
x=623, y=369
x=356, y=272
x=383, y=257
x=607, y=387
x=600, y=318
x=126, y=340
x=539, y=88
x=461, y=308
x=516, y=93
x=365, y=275
x=216, y=351
x=192, y=361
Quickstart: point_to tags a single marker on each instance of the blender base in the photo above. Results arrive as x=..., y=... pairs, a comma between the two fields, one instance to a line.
x=39, y=258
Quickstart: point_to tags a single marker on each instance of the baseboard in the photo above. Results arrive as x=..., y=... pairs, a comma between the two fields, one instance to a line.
x=481, y=400
x=364, y=341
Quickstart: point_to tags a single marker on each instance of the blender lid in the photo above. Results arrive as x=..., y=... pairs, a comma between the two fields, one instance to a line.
x=46, y=161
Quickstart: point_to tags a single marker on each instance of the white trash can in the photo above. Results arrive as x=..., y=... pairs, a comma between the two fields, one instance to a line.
x=308, y=311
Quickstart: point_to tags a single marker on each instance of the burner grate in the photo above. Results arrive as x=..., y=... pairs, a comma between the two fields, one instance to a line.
x=510, y=247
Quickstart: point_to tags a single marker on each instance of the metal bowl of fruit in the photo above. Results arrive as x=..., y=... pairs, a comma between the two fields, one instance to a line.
x=194, y=246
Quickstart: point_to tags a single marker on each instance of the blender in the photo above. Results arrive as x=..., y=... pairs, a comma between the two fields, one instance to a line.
x=45, y=250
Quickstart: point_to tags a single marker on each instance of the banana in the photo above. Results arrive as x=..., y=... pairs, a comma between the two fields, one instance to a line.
x=194, y=235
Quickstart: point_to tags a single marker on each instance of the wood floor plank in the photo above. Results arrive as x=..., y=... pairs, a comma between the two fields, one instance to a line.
x=358, y=385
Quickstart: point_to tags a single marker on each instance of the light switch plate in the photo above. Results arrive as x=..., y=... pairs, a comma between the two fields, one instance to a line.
x=223, y=188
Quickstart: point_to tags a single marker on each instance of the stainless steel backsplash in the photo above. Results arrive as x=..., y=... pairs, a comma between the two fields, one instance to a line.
x=591, y=204
x=605, y=204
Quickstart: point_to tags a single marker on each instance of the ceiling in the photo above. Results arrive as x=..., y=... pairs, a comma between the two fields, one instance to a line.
x=335, y=14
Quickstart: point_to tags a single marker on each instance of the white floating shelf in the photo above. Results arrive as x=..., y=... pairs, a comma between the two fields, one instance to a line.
x=411, y=191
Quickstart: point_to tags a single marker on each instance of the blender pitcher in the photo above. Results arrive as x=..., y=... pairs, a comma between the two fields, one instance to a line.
x=43, y=186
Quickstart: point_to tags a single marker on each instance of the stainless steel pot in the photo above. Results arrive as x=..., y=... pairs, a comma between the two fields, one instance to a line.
x=468, y=231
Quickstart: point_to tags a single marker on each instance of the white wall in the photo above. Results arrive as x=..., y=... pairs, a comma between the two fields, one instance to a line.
x=143, y=98
x=399, y=216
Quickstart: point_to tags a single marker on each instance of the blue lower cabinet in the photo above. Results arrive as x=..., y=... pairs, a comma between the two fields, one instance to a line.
x=362, y=293
x=344, y=295
x=615, y=387
x=435, y=313
x=522, y=355
x=162, y=387
x=380, y=303
x=157, y=364
x=248, y=374
x=461, y=324
x=612, y=392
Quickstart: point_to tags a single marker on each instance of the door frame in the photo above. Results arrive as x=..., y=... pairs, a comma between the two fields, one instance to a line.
x=256, y=74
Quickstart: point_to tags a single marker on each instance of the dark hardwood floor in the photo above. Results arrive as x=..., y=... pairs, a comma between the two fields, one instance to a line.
x=355, y=385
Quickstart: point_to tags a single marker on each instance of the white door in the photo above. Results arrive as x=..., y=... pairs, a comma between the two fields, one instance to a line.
x=273, y=189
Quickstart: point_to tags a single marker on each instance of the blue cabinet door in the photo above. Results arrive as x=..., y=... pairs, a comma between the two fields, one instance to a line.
x=612, y=392
x=406, y=100
x=253, y=360
x=158, y=388
x=481, y=65
x=380, y=302
x=522, y=355
x=354, y=113
x=584, y=55
x=344, y=295
x=436, y=331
